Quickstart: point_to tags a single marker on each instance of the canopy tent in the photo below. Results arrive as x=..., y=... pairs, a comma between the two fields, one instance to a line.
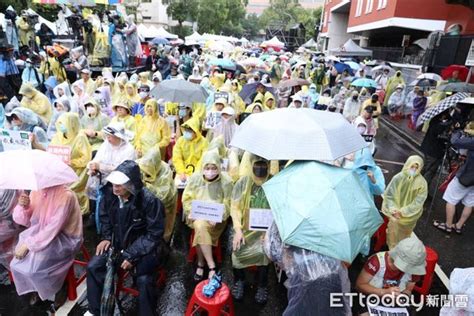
x=194, y=39
x=310, y=44
x=274, y=42
x=243, y=40
x=217, y=38
x=161, y=32
x=350, y=49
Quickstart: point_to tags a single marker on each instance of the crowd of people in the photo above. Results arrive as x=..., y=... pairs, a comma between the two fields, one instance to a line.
x=139, y=158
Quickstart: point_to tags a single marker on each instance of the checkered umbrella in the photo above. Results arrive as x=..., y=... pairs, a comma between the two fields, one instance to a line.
x=442, y=106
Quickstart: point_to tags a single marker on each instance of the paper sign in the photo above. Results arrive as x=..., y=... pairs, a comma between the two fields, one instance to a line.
x=212, y=119
x=260, y=219
x=368, y=138
x=387, y=311
x=207, y=211
x=14, y=140
x=64, y=152
x=221, y=94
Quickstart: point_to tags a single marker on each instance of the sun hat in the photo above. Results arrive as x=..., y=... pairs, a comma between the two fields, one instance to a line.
x=117, y=129
x=409, y=256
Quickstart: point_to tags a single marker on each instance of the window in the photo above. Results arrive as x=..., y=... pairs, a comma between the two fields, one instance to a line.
x=368, y=8
x=360, y=3
x=382, y=4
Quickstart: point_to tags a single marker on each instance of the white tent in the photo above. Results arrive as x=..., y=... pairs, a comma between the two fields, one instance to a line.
x=350, y=49
x=243, y=40
x=213, y=37
x=194, y=39
x=161, y=32
x=274, y=42
x=310, y=44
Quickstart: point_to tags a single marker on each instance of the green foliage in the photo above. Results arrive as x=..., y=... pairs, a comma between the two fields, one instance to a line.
x=251, y=25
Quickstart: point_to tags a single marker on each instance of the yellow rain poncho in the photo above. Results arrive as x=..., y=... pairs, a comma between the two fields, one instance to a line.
x=81, y=153
x=217, y=80
x=96, y=123
x=245, y=167
x=392, y=84
x=250, y=108
x=269, y=96
x=158, y=178
x=133, y=95
x=52, y=67
x=237, y=103
x=187, y=154
x=248, y=193
x=119, y=90
x=217, y=191
x=36, y=101
x=152, y=131
x=406, y=194
x=229, y=157
x=128, y=120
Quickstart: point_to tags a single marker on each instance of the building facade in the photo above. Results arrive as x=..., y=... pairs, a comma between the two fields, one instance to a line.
x=258, y=6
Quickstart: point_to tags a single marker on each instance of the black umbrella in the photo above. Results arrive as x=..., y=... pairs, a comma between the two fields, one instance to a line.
x=107, y=300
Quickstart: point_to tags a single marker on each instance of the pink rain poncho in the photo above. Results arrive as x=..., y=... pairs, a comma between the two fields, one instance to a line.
x=9, y=230
x=53, y=237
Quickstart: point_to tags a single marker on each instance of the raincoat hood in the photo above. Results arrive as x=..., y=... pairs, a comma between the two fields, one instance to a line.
x=363, y=158
x=63, y=86
x=410, y=161
x=359, y=120
x=193, y=123
x=72, y=124
x=212, y=157
x=28, y=90
x=150, y=164
x=65, y=102
x=26, y=116
x=131, y=169
x=153, y=104
x=78, y=84
x=254, y=159
x=218, y=144
x=250, y=108
x=95, y=104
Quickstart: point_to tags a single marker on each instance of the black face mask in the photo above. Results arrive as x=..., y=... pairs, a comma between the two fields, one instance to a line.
x=354, y=98
x=260, y=171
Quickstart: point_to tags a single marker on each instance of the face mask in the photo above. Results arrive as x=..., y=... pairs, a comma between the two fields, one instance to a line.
x=412, y=172
x=210, y=174
x=15, y=127
x=62, y=129
x=91, y=111
x=182, y=113
x=361, y=130
x=143, y=94
x=260, y=172
x=188, y=135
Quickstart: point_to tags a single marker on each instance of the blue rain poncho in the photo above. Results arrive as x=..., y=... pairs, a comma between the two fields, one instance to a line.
x=363, y=159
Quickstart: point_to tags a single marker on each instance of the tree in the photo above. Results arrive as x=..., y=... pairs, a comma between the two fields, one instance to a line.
x=221, y=17
x=251, y=25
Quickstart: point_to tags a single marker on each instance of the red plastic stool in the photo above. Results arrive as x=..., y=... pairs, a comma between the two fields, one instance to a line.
x=72, y=281
x=431, y=261
x=122, y=276
x=10, y=276
x=216, y=251
x=380, y=235
x=220, y=304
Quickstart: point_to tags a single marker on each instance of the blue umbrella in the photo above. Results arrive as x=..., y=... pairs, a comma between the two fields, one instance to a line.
x=223, y=63
x=160, y=41
x=355, y=66
x=249, y=89
x=364, y=83
x=340, y=67
x=323, y=208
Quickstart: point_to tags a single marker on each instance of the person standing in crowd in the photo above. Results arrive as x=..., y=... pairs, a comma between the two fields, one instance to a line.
x=151, y=63
x=213, y=186
x=133, y=42
x=31, y=75
x=461, y=187
x=11, y=29
x=247, y=244
x=152, y=131
x=392, y=84
x=47, y=247
x=393, y=272
x=419, y=106
x=158, y=178
x=403, y=200
x=9, y=230
x=69, y=134
x=352, y=107
x=370, y=175
x=374, y=103
x=188, y=150
x=382, y=80
x=36, y=101
x=276, y=72
x=226, y=127
x=80, y=63
x=132, y=224
x=26, y=31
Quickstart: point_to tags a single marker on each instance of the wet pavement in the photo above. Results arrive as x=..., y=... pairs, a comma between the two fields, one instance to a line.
x=454, y=251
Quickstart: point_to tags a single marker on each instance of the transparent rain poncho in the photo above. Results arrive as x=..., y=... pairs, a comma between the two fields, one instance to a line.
x=9, y=230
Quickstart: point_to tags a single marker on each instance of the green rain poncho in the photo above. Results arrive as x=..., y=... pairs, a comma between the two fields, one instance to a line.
x=392, y=84
x=248, y=193
x=217, y=191
x=406, y=194
x=158, y=178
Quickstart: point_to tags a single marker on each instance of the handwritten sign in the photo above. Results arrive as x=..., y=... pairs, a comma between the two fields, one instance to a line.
x=64, y=152
x=14, y=140
x=260, y=219
x=212, y=119
x=387, y=311
x=207, y=211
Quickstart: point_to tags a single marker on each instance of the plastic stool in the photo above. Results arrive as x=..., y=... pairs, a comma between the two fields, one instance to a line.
x=216, y=251
x=431, y=261
x=220, y=304
x=123, y=275
x=10, y=276
x=380, y=235
x=71, y=280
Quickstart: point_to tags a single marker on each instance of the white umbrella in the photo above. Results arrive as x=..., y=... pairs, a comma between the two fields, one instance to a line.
x=298, y=134
x=430, y=76
x=381, y=68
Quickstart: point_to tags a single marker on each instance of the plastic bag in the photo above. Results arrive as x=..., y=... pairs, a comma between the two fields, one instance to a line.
x=461, y=285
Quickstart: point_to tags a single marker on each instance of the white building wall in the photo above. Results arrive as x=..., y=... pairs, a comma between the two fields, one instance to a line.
x=337, y=30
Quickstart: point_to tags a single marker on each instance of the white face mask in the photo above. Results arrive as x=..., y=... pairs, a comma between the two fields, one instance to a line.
x=143, y=94
x=361, y=130
x=412, y=172
x=210, y=174
x=91, y=111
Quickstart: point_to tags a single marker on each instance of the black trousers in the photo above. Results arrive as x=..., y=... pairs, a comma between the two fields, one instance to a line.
x=262, y=275
x=431, y=167
x=145, y=271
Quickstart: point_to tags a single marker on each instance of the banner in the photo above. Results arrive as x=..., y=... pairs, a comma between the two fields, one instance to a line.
x=14, y=140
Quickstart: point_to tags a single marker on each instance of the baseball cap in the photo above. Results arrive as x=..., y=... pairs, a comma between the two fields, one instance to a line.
x=117, y=177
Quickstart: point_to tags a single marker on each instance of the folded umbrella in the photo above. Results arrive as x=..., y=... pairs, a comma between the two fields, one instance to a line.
x=249, y=89
x=298, y=134
x=323, y=208
x=442, y=106
x=364, y=83
x=33, y=170
x=178, y=90
x=457, y=87
x=293, y=83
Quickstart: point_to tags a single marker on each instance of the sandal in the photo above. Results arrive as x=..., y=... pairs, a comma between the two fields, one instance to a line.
x=457, y=229
x=211, y=270
x=199, y=277
x=443, y=227
x=238, y=290
x=261, y=296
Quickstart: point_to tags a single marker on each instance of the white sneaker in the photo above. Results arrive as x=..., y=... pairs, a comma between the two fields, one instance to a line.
x=88, y=314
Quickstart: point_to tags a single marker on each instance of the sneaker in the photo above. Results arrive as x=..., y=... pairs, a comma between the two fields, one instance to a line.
x=261, y=296
x=88, y=314
x=238, y=290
